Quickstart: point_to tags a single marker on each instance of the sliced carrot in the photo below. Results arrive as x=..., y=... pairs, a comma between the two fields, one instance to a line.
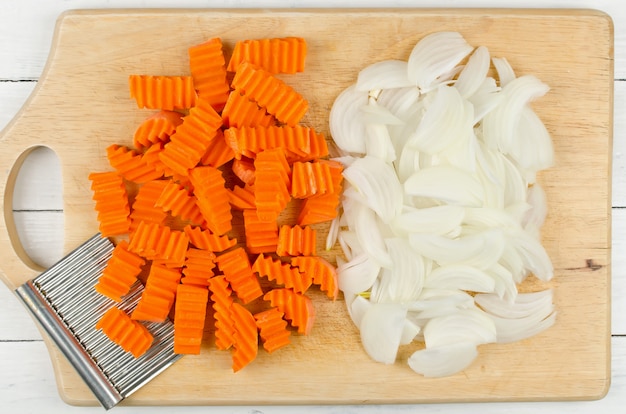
x=221, y=296
x=158, y=295
x=271, y=93
x=208, y=69
x=277, y=55
x=120, y=273
x=212, y=198
x=244, y=170
x=296, y=241
x=109, y=193
x=282, y=273
x=325, y=207
x=156, y=128
x=320, y=271
x=162, y=92
x=297, y=307
x=272, y=329
x=246, y=337
x=198, y=267
x=130, y=335
x=310, y=179
x=261, y=236
x=207, y=240
x=271, y=184
x=318, y=148
x=218, y=152
x=176, y=199
x=240, y=111
x=235, y=265
x=189, y=143
x=242, y=198
x=144, y=205
x=130, y=164
x=159, y=243
x=249, y=141
x=189, y=316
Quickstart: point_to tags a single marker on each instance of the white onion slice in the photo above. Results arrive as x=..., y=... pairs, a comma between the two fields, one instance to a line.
x=532, y=146
x=345, y=120
x=402, y=102
x=378, y=142
x=381, y=331
x=373, y=113
x=485, y=99
x=357, y=308
x=467, y=325
x=504, y=70
x=535, y=216
x=442, y=220
x=405, y=280
x=462, y=277
x=410, y=331
x=446, y=183
x=524, y=305
x=357, y=275
x=370, y=236
x=435, y=55
x=443, y=361
x=386, y=74
x=471, y=77
x=516, y=329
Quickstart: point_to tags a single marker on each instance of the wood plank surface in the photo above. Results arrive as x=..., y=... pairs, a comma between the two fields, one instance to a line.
x=570, y=361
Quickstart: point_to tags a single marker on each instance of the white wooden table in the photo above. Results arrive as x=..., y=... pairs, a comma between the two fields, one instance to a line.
x=27, y=381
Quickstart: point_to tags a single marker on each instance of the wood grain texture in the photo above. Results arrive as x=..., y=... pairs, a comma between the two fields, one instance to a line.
x=94, y=53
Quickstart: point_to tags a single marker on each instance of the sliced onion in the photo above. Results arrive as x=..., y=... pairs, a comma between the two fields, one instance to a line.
x=381, y=328
x=385, y=74
x=442, y=220
x=535, y=216
x=373, y=113
x=370, y=237
x=402, y=102
x=467, y=325
x=533, y=255
x=532, y=146
x=357, y=307
x=446, y=183
x=471, y=77
x=345, y=120
x=504, y=70
x=462, y=277
x=434, y=56
x=523, y=306
x=444, y=360
x=378, y=142
x=357, y=275
x=516, y=329
x=485, y=99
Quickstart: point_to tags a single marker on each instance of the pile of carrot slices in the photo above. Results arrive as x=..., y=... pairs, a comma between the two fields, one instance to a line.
x=198, y=200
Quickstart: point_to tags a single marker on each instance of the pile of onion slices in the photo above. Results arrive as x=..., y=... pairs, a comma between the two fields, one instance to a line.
x=441, y=214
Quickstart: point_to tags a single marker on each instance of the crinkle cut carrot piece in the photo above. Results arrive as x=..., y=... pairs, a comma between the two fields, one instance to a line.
x=325, y=207
x=130, y=335
x=212, y=198
x=242, y=198
x=243, y=168
x=296, y=241
x=240, y=111
x=235, y=265
x=297, y=307
x=156, y=128
x=271, y=183
x=271, y=93
x=277, y=55
x=249, y=141
x=310, y=179
x=130, y=164
x=282, y=273
x=189, y=143
x=178, y=200
x=261, y=236
x=320, y=271
x=221, y=296
x=208, y=69
x=207, y=240
x=109, y=193
x=198, y=268
x=189, y=316
x=272, y=329
x=120, y=273
x=159, y=243
x=218, y=152
x=162, y=92
x=144, y=205
x=158, y=295
x=246, y=342
x=318, y=148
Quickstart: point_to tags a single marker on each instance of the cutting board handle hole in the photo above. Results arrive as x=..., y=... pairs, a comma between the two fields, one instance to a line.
x=35, y=192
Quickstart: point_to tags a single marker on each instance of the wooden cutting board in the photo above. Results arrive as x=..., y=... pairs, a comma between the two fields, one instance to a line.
x=81, y=105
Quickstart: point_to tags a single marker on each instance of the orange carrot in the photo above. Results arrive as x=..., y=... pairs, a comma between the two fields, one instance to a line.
x=261, y=236
x=271, y=183
x=144, y=208
x=296, y=241
x=159, y=243
x=120, y=273
x=158, y=295
x=212, y=198
x=243, y=168
x=198, y=267
x=271, y=93
x=282, y=273
x=156, y=128
x=246, y=338
x=208, y=69
x=130, y=335
x=222, y=302
x=235, y=265
x=310, y=179
x=325, y=207
x=162, y=92
x=177, y=200
x=130, y=164
x=109, y=193
x=272, y=329
x=320, y=271
x=278, y=55
x=207, y=240
x=218, y=152
x=242, y=198
x=249, y=141
x=298, y=308
x=189, y=315
x=241, y=111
